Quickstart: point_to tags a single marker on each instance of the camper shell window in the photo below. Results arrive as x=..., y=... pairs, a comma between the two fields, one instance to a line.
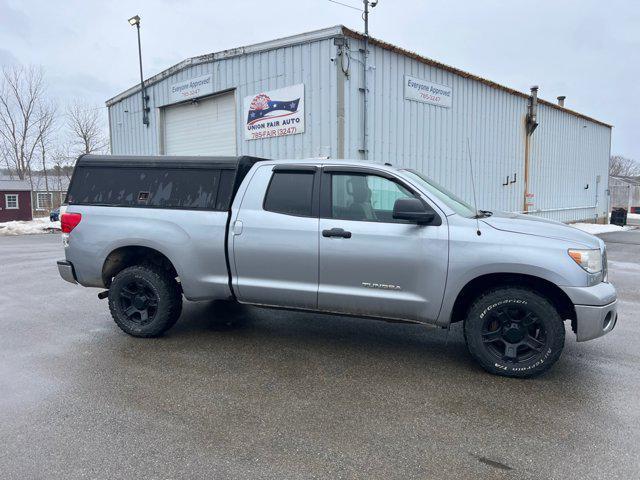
x=194, y=183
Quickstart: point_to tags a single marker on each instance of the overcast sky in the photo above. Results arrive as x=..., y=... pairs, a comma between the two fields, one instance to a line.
x=588, y=50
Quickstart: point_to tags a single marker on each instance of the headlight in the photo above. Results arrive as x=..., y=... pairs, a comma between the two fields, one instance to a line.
x=590, y=260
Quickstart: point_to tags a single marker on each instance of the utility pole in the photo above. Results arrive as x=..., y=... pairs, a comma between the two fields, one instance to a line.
x=135, y=21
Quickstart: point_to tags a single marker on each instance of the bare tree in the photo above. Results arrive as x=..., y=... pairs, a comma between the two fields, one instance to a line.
x=86, y=129
x=5, y=159
x=623, y=167
x=24, y=116
x=63, y=160
x=45, y=142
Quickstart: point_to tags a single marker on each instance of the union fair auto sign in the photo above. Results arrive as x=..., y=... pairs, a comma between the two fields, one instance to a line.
x=274, y=113
x=427, y=92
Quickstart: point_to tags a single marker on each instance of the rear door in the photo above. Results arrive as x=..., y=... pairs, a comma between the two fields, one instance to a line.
x=275, y=238
x=371, y=264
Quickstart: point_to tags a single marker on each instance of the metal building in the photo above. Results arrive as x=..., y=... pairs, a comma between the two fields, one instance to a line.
x=625, y=193
x=304, y=96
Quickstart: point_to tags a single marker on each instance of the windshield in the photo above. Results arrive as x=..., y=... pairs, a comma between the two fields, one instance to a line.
x=452, y=201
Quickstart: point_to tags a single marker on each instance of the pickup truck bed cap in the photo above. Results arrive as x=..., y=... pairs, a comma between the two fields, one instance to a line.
x=242, y=163
x=237, y=166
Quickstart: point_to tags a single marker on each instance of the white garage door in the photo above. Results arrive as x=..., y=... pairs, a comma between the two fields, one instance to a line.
x=206, y=127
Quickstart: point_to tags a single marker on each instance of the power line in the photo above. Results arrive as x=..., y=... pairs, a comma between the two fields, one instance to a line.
x=346, y=5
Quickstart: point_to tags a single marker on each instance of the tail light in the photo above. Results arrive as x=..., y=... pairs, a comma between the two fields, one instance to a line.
x=69, y=221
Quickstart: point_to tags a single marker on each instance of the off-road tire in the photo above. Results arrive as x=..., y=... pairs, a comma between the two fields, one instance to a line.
x=156, y=282
x=487, y=308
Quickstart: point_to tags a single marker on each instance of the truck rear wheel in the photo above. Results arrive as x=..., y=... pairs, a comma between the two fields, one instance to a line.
x=145, y=301
x=514, y=332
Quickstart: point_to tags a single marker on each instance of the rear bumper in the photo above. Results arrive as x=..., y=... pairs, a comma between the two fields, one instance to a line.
x=66, y=271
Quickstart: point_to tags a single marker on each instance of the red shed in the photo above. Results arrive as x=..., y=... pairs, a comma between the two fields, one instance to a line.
x=15, y=200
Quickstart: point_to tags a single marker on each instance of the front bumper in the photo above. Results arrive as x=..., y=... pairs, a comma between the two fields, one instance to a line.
x=596, y=310
x=66, y=271
x=595, y=321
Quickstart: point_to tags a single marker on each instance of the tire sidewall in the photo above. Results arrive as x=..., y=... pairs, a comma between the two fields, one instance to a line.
x=542, y=308
x=158, y=283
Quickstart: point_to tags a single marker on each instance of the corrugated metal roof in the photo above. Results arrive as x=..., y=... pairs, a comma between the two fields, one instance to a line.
x=55, y=183
x=15, y=185
x=327, y=33
x=352, y=33
x=629, y=180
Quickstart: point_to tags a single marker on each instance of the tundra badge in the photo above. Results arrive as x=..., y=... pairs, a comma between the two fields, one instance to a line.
x=382, y=286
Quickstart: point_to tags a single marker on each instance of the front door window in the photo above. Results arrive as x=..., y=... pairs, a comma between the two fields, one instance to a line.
x=367, y=198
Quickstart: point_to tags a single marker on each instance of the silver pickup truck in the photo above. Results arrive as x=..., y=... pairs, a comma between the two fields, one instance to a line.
x=333, y=236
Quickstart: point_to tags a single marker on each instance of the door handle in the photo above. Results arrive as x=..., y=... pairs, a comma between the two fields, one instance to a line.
x=237, y=227
x=336, y=232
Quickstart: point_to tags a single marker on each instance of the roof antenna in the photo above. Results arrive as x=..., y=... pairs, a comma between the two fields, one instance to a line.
x=473, y=186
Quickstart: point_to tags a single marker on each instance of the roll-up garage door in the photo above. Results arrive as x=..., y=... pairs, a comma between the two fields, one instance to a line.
x=205, y=127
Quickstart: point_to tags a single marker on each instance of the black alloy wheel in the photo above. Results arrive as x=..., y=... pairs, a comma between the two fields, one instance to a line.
x=138, y=302
x=513, y=334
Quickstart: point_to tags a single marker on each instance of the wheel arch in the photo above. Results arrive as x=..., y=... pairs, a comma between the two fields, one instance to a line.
x=478, y=285
x=129, y=255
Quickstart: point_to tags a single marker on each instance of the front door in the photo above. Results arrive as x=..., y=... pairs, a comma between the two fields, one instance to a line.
x=370, y=263
x=275, y=238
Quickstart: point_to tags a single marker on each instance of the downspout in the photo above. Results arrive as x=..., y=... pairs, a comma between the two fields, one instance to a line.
x=597, y=199
x=530, y=126
x=342, y=74
x=525, y=206
x=608, y=191
x=365, y=138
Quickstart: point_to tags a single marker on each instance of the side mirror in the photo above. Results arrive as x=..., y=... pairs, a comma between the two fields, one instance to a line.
x=413, y=210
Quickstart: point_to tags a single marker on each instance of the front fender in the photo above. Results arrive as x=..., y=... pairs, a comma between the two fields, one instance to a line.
x=497, y=252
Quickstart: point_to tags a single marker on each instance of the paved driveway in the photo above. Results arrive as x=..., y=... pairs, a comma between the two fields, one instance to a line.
x=629, y=237
x=289, y=395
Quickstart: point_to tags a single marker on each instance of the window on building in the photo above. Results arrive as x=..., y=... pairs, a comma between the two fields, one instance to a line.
x=11, y=201
x=368, y=198
x=44, y=200
x=290, y=193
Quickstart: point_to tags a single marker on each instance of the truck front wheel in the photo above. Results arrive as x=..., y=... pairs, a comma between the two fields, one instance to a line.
x=145, y=301
x=514, y=332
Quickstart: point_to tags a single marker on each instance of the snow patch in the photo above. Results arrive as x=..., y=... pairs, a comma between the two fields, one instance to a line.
x=31, y=227
x=596, y=228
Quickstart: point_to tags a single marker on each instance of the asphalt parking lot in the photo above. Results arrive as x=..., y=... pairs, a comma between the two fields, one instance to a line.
x=290, y=395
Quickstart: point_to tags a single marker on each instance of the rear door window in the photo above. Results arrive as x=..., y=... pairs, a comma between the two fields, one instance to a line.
x=291, y=193
x=225, y=190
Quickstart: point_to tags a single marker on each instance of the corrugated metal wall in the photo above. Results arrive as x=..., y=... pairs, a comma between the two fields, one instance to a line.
x=567, y=153
x=308, y=63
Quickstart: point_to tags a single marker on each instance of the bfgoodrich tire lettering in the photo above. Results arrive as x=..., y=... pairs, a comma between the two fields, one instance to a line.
x=145, y=301
x=514, y=332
